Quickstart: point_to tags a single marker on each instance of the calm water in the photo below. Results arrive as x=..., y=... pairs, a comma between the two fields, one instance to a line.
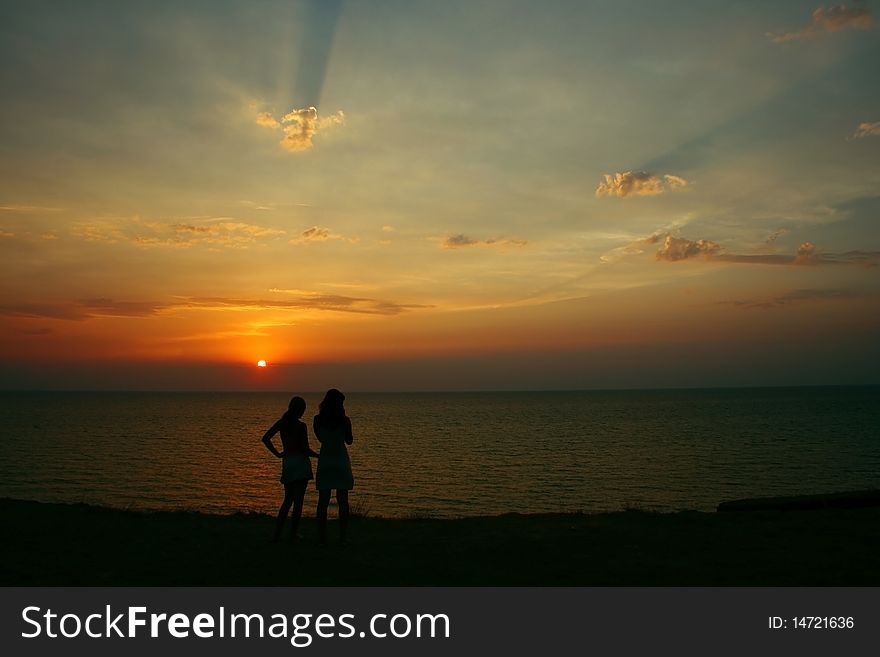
x=454, y=454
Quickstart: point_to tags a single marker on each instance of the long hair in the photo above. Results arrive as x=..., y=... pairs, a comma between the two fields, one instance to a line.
x=295, y=410
x=331, y=410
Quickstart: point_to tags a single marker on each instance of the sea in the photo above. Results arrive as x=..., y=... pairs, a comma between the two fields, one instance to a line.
x=444, y=455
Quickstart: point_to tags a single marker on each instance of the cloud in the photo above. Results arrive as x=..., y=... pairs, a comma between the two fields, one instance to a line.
x=111, y=308
x=807, y=254
x=37, y=330
x=833, y=19
x=237, y=230
x=637, y=183
x=679, y=248
x=85, y=309
x=633, y=248
x=29, y=310
x=265, y=207
x=460, y=241
x=318, y=234
x=217, y=232
x=26, y=209
x=794, y=296
x=456, y=241
x=266, y=120
x=775, y=235
x=300, y=126
x=867, y=130
x=328, y=302
x=82, y=310
x=673, y=182
x=676, y=248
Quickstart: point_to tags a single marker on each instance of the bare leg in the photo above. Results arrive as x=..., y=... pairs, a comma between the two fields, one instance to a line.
x=342, y=502
x=282, y=512
x=323, y=503
x=299, y=492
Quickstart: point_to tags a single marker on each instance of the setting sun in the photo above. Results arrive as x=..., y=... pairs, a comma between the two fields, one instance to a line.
x=261, y=363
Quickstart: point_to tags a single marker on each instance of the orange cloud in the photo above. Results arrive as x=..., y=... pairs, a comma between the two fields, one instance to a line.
x=266, y=120
x=637, y=183
x=222, y=232
x=867, y=130
x=679, y=248
x=676, y=248
x=300, y=126
x=833, y=19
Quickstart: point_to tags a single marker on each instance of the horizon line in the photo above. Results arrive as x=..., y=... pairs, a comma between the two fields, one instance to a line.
x=444, y=391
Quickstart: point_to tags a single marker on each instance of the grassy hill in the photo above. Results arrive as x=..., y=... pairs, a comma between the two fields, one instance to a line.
x=58, y=544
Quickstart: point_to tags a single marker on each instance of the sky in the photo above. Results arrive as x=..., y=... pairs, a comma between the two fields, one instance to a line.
x=420, y=195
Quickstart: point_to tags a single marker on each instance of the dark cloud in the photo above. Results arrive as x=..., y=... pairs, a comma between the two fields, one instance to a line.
x=37, y=330
x=329, y=302
x=66, y=311
x=112, y=308
x=81, y=310
x=776, y=234
x=85, y=309
x=794, y=296
x=680, y=248
x=459, y=241
x=318, y=234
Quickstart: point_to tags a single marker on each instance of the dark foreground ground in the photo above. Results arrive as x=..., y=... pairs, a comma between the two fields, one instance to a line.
x=56, y=544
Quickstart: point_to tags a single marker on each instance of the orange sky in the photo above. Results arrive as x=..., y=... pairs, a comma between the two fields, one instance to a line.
x=525, y=203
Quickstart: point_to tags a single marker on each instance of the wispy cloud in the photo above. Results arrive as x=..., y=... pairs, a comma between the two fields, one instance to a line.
x=833, y=19
x=792, y=297
x=462, y=241
x=867, y=130
x=215, y=232
x=299, y=126
x=67, y=311
x=112, y=308
x=633, y=248
x=82, y=309
x=85, y=309
x=266, y=120
x=675, y=248
x=328, y=302
x=257, y=206
x=637, y=183
x=28, y=209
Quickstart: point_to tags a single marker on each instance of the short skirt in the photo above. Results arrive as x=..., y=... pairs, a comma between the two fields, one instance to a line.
x=297, y=467
x=334, y=475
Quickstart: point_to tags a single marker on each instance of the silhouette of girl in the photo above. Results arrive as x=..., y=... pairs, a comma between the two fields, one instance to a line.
x=296, y=468
x=333, y=431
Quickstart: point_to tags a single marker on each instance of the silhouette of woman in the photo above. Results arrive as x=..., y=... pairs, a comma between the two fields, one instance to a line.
x=296, y=468
x=333, y=431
